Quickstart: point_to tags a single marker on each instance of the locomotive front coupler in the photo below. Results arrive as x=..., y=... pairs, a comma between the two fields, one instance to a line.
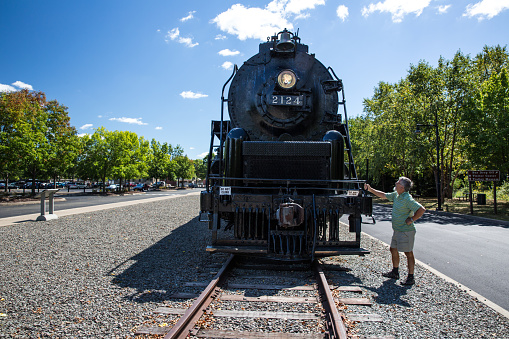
x=289, y=213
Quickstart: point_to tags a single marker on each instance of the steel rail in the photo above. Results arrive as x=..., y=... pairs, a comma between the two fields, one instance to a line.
x=193, y=314
x=334, y=321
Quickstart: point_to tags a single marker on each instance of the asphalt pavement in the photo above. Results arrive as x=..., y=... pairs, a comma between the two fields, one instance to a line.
x=472, y=251
x=75, y=201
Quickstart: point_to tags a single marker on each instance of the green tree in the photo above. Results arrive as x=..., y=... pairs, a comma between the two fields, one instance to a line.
x=383, y=134
x=98, y=157
x=29, y=127
x=160, y=160
x=487, y=124
x=200, y=167
x=63, y=141
x=12, y=137
x=129, y=155
x=183, y=168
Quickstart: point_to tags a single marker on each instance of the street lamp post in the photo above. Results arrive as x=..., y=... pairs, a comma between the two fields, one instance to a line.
x=439, y=196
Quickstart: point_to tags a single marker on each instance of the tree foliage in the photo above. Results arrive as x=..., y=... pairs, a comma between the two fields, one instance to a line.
x=35, y=135
x=466, y=98
x=183, y=168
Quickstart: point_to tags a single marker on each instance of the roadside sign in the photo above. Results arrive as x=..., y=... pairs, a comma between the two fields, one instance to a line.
x=490, y=175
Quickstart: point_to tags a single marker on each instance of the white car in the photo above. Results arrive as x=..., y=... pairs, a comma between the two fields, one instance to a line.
x=112, y=187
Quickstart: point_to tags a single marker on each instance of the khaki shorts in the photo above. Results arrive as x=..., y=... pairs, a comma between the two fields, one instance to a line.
x=403, y=241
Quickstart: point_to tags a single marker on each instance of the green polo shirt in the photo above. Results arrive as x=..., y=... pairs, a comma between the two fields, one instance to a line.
x=403, y=206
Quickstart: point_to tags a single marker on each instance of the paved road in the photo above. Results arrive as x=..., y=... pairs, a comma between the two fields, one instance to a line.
x=472, y=251
x=74, y=199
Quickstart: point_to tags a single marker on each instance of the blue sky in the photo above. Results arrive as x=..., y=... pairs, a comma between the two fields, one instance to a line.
x=157, y=67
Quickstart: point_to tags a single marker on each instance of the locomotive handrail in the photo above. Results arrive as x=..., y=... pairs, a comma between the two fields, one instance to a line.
x=324, y=181
x=221, y=141
x=223, y=100
x=350, y=153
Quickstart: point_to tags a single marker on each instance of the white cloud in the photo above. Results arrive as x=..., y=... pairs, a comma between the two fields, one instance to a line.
x=18, y=84
x=189, y=17
x=7, y=88
x=486, y=9
x=251, y=23
x=227, y=52
x=86, y=126
x=398, y=8
x=174, y=34
x=192, y=95
x=298, y=6
x=220, y=37
x=135, y=121
x=342, y=12
x=443, y=9
x=159, y=128
x=227, y=65
x=260, y=23
x=202, y=155
x=22, y=85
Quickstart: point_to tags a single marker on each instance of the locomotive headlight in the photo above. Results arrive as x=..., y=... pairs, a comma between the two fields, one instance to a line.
x=287, y=79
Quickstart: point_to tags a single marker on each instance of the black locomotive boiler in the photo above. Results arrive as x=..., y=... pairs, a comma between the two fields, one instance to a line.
x=281, y=173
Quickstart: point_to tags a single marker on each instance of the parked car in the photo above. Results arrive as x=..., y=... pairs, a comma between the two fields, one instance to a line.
x=2, y=184
x=139, y=187
x=160, y=184
x=77, y=185
x=112, y=187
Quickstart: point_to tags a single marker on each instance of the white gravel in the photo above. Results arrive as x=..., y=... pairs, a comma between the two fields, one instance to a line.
x=102, y=274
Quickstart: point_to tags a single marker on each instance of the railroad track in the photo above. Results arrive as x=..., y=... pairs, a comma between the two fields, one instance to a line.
x=304, y=305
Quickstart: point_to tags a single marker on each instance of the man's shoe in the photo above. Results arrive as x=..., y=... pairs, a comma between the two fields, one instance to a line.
x=391, y=274
x=409, y=281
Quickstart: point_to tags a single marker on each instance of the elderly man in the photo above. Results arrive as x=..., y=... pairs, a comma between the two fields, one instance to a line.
x=405, y=211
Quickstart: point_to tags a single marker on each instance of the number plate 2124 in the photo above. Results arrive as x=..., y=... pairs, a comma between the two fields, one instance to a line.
x=287, y=100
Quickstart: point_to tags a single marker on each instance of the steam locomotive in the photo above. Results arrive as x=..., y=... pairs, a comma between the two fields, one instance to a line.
x=281, y=173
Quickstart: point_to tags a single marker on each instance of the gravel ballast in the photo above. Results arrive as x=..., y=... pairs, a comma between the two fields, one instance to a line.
x=102, y=274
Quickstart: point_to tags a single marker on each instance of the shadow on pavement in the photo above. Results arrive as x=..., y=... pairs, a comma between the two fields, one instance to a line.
x=383, y=213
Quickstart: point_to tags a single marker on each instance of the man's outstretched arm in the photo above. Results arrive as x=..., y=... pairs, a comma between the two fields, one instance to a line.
x=378, y=193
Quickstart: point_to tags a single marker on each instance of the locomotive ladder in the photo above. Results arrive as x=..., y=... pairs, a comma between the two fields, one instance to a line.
x=352, y=172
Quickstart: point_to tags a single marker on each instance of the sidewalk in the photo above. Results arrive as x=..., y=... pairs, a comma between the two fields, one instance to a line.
x=60, y=213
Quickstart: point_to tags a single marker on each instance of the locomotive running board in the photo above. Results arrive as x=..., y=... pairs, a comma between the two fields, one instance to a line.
x=320, y=252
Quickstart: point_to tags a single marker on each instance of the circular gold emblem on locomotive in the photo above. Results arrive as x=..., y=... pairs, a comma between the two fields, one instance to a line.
x=287, y=79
